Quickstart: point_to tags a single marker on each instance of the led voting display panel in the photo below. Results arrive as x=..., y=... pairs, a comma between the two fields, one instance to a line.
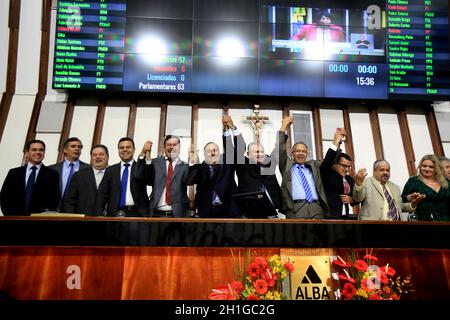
x=418, y=47
x=370, y=49
x=89, y=45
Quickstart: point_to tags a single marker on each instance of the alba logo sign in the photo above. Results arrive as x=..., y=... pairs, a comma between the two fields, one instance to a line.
x=311, y=287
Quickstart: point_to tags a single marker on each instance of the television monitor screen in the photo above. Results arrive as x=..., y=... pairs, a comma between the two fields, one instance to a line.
x=377, y=49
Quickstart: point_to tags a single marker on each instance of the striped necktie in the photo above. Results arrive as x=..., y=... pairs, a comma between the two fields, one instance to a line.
x=306, y=187
x=392, y=212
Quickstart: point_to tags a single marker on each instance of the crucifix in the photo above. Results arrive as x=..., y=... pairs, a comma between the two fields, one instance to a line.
x=257, y=121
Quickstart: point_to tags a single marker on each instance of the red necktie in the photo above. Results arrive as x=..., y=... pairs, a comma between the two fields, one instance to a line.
x=346, y=186
x=169, y=179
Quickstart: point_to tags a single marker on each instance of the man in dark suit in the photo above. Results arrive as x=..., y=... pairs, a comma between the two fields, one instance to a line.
x=72, y=151
x=302, y=189
x=255, y=170
x=32, y=188
x=80, y=197
x=215, y=185
x=338, y=184
x=123, y=194
x=169, y=176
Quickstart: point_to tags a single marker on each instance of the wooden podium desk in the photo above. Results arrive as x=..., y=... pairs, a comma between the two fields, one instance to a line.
x=160, y=258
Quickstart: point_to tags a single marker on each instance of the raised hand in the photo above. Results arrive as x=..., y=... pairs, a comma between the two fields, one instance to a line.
x=339, y=136
x=360, y=176
x=227, y=122
x=286, y=123
x=193, y=154
x=147, y=149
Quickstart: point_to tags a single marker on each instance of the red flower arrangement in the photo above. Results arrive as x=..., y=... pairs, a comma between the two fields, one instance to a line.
x=363, y=279
x=262, y=281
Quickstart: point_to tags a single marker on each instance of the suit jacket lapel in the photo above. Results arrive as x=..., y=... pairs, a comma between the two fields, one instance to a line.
x=40, y=175
x=91, y=178
x=116, y=173
x=393, y=192
x=177, y=169
x=290, y=163
x=23, y=176
x=377, y=187
x=163, y=167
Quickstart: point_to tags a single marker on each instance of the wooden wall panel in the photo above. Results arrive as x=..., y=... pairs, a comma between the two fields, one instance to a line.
x=376, y=132
x=4, y=256
x=99, y=121
x=41, y=273
x=407, y=142
x=67, y=124
x=317, y=132
x=434, y=131
x=11, y=72
x=177, y=273
x=162, y=128
x=132, y=119
x=118, y=273
x=349, y=148
x=286, y=113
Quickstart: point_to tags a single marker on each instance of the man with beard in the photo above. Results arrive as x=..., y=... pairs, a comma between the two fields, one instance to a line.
x=381, y=199
x=169, y=176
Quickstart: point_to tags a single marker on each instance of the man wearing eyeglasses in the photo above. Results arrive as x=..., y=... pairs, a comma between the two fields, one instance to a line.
x=302, y=190
x=338, y=184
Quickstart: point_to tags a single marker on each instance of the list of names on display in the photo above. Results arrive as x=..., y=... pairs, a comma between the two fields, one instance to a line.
x=90, y=38
x=418, y=47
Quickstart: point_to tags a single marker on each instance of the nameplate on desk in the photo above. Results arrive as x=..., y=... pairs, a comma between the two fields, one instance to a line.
x=58, y=214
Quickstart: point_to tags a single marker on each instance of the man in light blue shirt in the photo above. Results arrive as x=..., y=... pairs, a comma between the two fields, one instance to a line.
x=303, y=194
x=72, y=151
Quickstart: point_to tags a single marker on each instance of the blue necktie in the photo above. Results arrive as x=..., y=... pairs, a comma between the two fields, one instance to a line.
x=29, y=188
x=71, y=166
x=123, y=186
x=306, y=187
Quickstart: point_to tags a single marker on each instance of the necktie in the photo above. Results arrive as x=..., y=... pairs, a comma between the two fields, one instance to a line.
x=169, y=179
x=71, y=168
x=346, y=186
x=98, y=177
x=392, y=212
x=306, y=187
x=123, y=186
x=29, y=187
x=211, y=171
x=215, y=198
